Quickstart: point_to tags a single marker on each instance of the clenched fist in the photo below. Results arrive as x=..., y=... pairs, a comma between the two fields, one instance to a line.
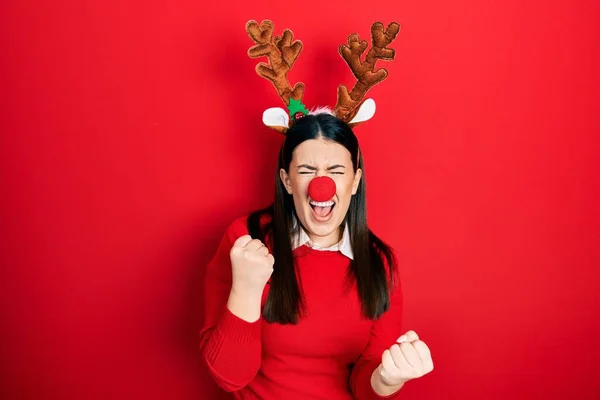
x=251, y=263
x=408, y=359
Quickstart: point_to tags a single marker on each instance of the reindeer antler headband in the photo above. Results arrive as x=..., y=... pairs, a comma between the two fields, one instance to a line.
x=282, y=52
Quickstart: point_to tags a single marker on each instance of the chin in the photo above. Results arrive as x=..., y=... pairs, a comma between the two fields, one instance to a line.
x=321, y=230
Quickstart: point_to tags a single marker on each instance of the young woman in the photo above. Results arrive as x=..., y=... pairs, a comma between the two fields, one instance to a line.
x=302, y=300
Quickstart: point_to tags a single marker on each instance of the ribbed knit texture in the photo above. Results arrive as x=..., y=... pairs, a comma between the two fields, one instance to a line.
x=330, y=354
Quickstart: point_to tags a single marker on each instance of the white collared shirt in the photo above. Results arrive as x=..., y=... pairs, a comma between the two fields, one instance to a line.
x=343, y=246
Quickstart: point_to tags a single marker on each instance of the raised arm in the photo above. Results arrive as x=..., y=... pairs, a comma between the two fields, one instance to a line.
x=391, y=358
x=230, y=337
x=384, y=333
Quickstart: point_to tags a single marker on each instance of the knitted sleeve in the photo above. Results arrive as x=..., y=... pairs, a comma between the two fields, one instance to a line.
x=384, y=333
x=230, y=345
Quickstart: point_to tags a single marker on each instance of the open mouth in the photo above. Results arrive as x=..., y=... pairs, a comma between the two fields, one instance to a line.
x=322, y=210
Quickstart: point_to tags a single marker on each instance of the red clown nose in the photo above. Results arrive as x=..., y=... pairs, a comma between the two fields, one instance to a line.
x=321, y=188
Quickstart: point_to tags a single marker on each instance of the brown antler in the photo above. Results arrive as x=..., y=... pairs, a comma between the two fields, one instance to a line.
x=364, y=71
x=281, y=52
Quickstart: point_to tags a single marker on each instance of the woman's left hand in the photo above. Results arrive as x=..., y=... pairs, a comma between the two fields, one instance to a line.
x=407, y=359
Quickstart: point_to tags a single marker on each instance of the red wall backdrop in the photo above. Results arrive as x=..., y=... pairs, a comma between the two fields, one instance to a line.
x=131, y=137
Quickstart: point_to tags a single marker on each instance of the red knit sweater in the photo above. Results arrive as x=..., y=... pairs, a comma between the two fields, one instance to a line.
x=331, y=352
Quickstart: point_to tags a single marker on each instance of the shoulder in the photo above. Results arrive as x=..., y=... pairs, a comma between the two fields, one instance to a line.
x=388, y=256
x=260, y=224
x=220, y=259
x=383, y=250
x=238, y=227
x=243, y=225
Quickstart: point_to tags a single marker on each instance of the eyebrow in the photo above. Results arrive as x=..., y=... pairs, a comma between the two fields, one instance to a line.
x=315, y=168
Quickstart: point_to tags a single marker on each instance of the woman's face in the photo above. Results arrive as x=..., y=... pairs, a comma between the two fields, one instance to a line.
x=320, y=157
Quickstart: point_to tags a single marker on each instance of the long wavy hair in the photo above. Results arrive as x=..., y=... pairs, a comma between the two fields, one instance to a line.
x=374, y=263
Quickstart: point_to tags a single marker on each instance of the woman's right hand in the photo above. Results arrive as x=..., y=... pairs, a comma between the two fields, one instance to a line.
x=252, y=265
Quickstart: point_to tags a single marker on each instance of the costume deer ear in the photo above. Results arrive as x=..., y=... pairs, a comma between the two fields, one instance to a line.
x=276, y=118
x=365, y=112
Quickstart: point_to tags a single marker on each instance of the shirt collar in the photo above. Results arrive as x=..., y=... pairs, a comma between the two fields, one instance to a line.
x=343, y=246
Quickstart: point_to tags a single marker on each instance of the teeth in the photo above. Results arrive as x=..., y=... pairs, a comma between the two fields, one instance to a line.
x=322, y=203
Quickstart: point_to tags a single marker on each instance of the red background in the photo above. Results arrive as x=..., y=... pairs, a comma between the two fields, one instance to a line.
x=131, y=137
